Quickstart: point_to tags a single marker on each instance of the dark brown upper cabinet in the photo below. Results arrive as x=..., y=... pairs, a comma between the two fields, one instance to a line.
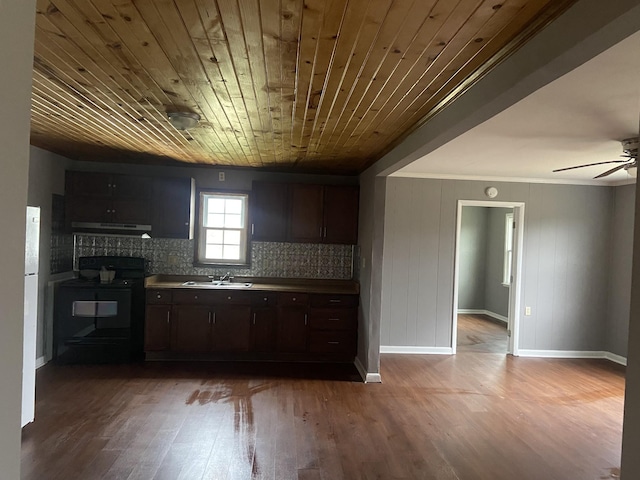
x=304, y=213
x=172, y=207
x=107, y=198
x=340, y=214
x=268, y=204
x=305, y=219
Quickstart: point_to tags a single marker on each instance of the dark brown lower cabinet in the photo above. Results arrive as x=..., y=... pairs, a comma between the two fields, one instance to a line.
x=263, y=329
x=292, y=329
x=157, y=333
x=192, y=328
x=231, y=328
x=251, y=325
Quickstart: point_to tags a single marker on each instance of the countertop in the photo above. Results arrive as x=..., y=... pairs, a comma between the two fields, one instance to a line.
x=335, y=287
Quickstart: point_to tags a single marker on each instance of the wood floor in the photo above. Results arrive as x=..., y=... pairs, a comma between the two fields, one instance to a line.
x=468, y=417
x=481, y=334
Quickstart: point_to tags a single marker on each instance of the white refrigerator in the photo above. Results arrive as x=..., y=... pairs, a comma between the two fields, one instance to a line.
x=32, y=247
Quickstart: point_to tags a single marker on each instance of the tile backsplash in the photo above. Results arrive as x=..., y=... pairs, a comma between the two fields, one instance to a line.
x=268, y=259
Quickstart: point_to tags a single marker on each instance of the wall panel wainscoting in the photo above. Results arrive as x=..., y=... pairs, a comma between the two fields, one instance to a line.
x=464, y=417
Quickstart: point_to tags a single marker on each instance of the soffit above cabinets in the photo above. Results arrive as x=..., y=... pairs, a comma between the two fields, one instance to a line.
x=297, y=85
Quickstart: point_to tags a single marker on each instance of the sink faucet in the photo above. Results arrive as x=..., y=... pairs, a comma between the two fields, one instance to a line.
x=226, y=276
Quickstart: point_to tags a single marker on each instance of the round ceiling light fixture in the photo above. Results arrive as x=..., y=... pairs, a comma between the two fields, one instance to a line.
x=183, y=120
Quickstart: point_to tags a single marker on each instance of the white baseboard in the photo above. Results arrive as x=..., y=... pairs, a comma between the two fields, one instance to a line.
x=497, y=316
x=40, y=362
x=572, y=354
x=367, y=377
x=615, y=358
x=412, y=350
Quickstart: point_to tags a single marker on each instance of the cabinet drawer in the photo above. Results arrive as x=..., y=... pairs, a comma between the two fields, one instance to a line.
x=232, y=297
x=333, y=318
x=318, y=300
x=338, y=342
x=159, y=296
x=293, y=299
x=193, y=297
x=263, y=299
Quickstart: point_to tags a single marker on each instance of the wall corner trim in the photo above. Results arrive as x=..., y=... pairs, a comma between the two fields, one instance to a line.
x=573, y=354
x=366, y=377
x=415, y=350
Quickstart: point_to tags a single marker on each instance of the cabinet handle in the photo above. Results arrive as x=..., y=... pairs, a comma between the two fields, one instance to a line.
x=333, y=343
x=254, y=318
x=334, y=301
x=229, y=297
x=293, y=299
x=334, y=319
x=305, y=319
x=158, y=296
x=109, y=185
x=114, y=185
x=209, y=318
x=169, y=317
x=265, y=299
x=214, y=317
x=108, y=211
x=113, y=211
x=252, y=228
x=325, y=232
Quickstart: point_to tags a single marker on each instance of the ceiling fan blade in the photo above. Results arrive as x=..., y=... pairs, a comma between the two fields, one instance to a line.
x=609, y=172
x=590, y=165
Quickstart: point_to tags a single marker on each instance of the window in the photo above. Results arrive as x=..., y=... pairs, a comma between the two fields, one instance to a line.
x=222, y=228
x=508, y=249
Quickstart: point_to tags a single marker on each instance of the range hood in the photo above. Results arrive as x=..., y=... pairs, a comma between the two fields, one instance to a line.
x=97, y=227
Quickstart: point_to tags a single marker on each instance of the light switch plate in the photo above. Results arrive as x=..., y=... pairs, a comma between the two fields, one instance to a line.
x=527, y=311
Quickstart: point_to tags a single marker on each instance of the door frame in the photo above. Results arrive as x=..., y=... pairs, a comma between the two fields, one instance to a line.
x=515, y=291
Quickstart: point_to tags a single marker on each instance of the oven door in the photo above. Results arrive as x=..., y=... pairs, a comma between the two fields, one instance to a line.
x=93, y=325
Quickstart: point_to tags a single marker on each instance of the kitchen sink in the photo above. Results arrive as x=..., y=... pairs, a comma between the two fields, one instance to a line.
x=217, y=284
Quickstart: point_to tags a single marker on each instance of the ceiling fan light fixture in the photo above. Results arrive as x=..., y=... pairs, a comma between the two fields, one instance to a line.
x=632, y=171
x=183, y=120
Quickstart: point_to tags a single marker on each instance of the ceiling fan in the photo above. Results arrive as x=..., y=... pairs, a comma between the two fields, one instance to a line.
x=630, y=162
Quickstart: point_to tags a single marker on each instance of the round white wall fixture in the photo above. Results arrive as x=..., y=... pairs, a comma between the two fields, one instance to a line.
x=491, y=192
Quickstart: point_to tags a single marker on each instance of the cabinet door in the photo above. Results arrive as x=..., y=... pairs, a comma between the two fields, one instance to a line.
x=171, y=208
x=268, y=208
x=157, y=328
x=88, y=209
x=88, y=184
x=192, y=328
x=131, y=186
x=305, y=220
x=292, y=330
x=130, y=210
x=263, y=329
x=341, y=215
x=232, y=329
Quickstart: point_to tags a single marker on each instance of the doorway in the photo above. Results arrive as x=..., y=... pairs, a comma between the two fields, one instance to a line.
x=486, y=280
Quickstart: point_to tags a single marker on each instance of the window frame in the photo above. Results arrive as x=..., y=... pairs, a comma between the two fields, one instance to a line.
x=201, y=229
x=507, y=266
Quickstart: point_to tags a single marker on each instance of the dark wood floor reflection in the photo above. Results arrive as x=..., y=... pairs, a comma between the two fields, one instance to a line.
x=467, y=417
x=481, y=334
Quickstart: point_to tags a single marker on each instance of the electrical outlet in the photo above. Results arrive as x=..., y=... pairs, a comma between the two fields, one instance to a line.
x=221, y=176
x=172, y=259
x=527, y=311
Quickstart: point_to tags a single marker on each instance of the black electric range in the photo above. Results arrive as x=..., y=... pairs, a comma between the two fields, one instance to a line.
x=101, y=321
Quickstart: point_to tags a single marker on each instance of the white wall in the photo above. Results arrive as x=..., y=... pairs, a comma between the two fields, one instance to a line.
x=565, y=262
x=16, y=57
x=46, y=177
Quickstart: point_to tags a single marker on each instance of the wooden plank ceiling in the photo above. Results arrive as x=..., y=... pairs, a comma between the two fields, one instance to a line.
x=296, y=85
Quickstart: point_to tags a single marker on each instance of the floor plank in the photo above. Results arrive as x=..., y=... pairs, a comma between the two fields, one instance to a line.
x=470, y=416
